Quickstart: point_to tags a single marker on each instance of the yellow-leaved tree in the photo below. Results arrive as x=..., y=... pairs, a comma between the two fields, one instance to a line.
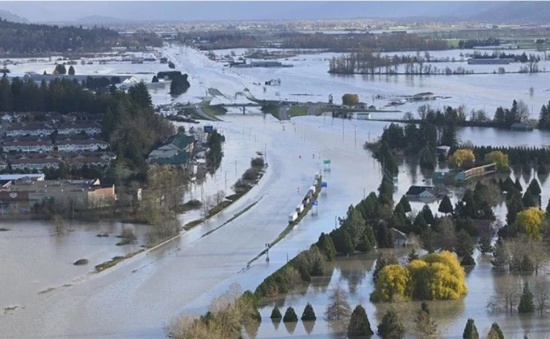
x=500, y=159
x=436, y=276
x=392, y=284
x=462, y=157
x=529, y=222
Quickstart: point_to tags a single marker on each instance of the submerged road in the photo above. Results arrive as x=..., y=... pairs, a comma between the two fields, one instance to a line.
x=139, y=297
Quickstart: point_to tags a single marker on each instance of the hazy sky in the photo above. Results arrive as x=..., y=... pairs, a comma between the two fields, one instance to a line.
x=37, y=11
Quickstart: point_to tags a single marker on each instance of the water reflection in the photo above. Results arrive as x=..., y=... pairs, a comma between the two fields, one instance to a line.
x=290, y=327
x=308, y=326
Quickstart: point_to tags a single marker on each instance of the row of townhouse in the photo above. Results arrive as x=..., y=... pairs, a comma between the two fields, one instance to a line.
x=39, y=162
x=45, y=129
x=45, y=145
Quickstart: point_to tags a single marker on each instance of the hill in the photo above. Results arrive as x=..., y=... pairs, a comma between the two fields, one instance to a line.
x=25, y=39
x=9, y=16
x=521, y=12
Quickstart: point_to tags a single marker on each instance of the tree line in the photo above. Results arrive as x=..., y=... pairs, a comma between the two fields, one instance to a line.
x=31, y=39
x=354, y=42
x=471, y=43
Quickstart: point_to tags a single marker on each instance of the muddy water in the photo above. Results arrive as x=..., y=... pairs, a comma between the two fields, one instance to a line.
x=38, y=261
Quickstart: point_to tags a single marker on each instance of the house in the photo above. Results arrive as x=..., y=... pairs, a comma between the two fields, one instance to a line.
x=27, y=145
x=34, y=163
x=443, y=150
x=14, y=202
x=89, y=128
x=177, y=150
x=82, y=145
x=420, y=192
x=38, y=129
x=400, y=239
x=427, y=192
x=423, y=96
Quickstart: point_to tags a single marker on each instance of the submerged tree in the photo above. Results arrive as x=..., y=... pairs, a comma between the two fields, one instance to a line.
x=359, y=325
x=470, y=331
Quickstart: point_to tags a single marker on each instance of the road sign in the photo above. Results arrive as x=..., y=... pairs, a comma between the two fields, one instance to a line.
x=314, y=203
x=208, y=129
x=326, y=162
x=324, y=184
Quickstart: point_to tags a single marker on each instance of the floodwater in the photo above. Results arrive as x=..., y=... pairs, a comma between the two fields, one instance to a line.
x=140, y=296
x=354, y=275
x=38, y=261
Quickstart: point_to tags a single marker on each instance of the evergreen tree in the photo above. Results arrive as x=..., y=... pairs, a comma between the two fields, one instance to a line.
x=485, y=245
x=529, y=200
x=445, y=206
x=468, y=260
x=428, y=215
x=534, y=187
x=359, y=325
x=308, y=314
x=420, y=224
x=508, y=185
x=71, y=70
x=385, y=192
x=391, y=326
x=526, y=304
x=348, y=244
x=501, y=257
x=276, y=314
x=367, y=241
x=155, y=79
x=384, y=236
x=404, y=202
x=495, y=332
x=290, y=316
x=368, y=207
x=518, y=186
x=425, y=325
x=470, y=331
x=464, y=244
x=326, y=246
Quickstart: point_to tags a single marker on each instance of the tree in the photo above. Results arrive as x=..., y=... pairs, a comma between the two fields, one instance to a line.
x=290, y=316
x=392, y=283
x=359, y=325
x=507, y=293
x=382, y=261
x=534, y=187
x=526, y=304
x=541, y=294
x=461, y=158
x=470, y=331
x=500, y=159
x=404, y=202
x=485, y=245
x=501, y=256
x=464, y=244
x=529, y=222
x=349, y=99
x=309, y=313
x=155, y=79
x=71, y=70
x=445, y=206
x=276, y=314
x=391, y=326
x=495, y=332
x=338, y=308
x=326, y=246
x=428, y=215
x=425, y=325
x=60, y=69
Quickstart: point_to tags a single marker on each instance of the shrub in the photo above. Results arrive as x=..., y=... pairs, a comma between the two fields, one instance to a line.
x=290, y=315
x=309, y=313
x=276, y=314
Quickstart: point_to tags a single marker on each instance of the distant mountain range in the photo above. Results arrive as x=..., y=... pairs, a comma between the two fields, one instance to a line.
x=133, y=12
x=5, y=15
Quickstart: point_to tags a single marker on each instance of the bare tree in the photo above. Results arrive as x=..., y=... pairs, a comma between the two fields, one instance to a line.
x=206, y=205
x=507, y=294
x=541, y=294
x=219, y=196
x=339, y=308
x=538, y=253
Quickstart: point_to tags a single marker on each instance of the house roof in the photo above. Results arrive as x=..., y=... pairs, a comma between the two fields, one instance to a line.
x=416, y=190
x=398, y=235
